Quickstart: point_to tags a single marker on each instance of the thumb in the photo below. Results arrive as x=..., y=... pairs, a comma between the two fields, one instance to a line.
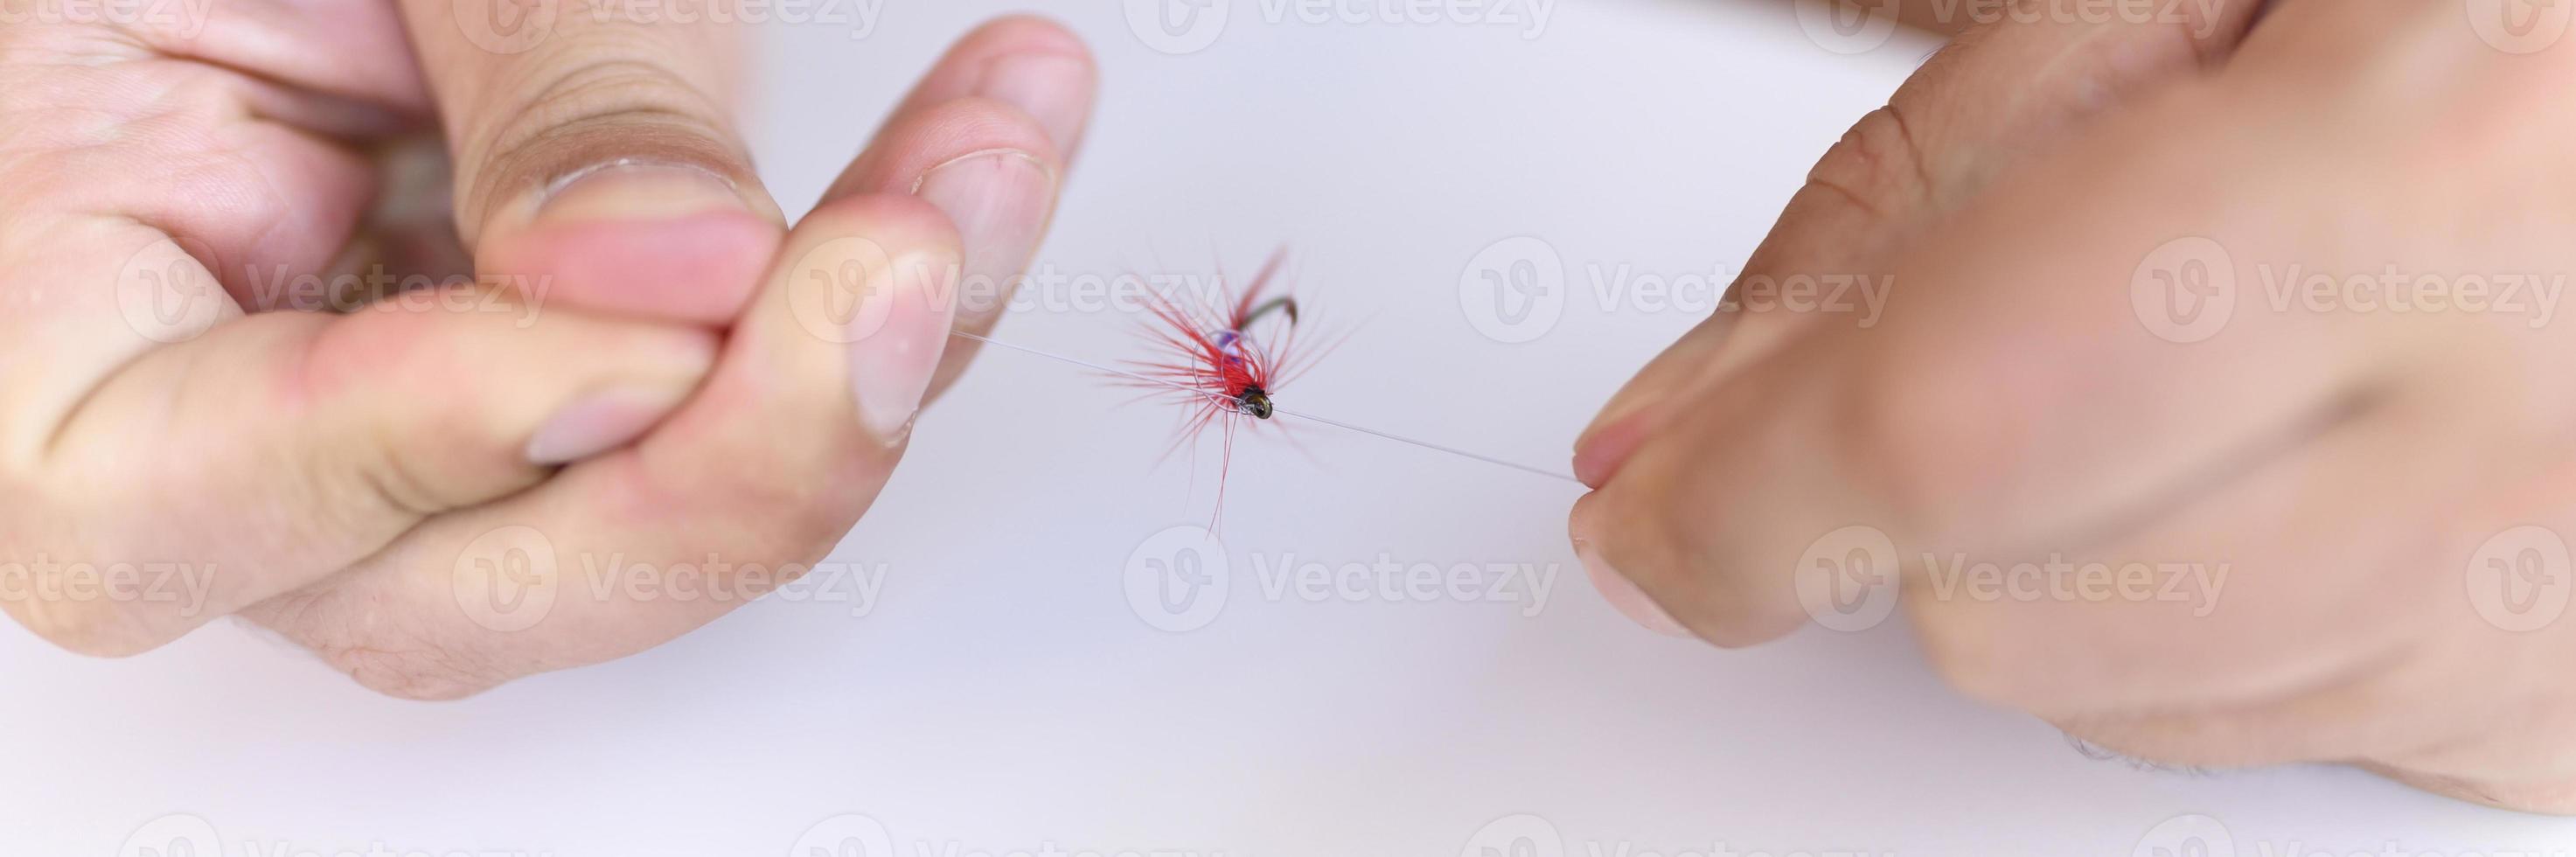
x=596, y=156
x=1997, y=97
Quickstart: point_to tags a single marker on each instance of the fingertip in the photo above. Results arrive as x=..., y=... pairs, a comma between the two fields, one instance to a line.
x=1028, y=61
x=1022, y=32
x=898, y=221
x=659, y=242
x=1606, y=447
x=1623, y=595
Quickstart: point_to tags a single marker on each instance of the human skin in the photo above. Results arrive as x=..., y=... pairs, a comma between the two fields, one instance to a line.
x=2365, y=472
x=629, y=364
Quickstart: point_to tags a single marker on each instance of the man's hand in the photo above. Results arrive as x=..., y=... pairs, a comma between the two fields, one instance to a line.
x=245, y=345
x=2199, y=422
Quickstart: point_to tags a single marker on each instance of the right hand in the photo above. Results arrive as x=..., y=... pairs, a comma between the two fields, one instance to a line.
x=2216, y=395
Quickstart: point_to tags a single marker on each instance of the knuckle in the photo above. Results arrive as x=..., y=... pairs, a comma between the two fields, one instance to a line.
x=417, y=675
x=92, y=627
x=974, y=123
x=382, y=651
x=1876, y=166
x=920, y=140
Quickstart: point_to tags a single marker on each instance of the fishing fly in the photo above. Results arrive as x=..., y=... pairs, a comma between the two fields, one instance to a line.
x=1224, y=358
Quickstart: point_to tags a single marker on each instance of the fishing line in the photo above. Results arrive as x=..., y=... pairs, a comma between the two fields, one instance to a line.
x=1159, y=382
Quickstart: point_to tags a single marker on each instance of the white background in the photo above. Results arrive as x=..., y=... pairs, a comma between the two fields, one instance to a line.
x=1001, y=693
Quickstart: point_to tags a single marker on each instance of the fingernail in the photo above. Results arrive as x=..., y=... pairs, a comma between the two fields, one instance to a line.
x=1052, y=88
x=597, y=423
x=1000, y=201
x=1624, y=596
x=909, y=311
x=1600, y=453
x=636, y=191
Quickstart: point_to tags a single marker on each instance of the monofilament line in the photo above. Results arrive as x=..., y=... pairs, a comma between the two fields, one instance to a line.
x=1278, y=411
